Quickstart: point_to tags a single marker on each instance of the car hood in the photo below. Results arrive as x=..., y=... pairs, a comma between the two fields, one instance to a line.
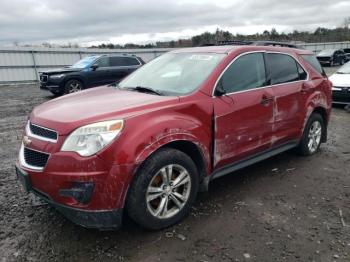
x=61, y=70
x=69, y=112
x=342, y=80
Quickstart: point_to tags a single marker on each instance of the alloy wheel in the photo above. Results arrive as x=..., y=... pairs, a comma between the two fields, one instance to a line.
x=74, y=87
x=315, y=134
x=168, y=191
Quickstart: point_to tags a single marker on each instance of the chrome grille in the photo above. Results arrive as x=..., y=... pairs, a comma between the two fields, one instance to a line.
x=44, y=78
x=43, y=133
x=35, y=158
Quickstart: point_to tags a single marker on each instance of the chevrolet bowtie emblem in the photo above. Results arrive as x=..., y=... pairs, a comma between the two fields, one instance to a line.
x=26, y=141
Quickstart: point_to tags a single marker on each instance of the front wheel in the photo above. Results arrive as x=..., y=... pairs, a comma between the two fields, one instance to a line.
x=312, y=135
x=73, y=86
x=163, y=190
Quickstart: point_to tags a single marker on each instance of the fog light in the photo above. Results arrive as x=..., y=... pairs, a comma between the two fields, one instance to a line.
x=80, y=191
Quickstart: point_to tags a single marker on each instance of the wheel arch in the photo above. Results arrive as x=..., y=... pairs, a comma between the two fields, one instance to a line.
x=194, y=150
x=74, y=77
x=323, y=112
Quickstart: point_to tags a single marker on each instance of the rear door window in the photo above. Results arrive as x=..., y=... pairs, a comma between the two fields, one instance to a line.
x=124, y=61
x=247, y=72
x=282, y=68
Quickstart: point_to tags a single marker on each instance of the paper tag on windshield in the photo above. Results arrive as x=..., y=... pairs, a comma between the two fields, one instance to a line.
x=201, y=57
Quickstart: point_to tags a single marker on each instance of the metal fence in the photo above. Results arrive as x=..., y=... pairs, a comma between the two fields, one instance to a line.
x=22, y=64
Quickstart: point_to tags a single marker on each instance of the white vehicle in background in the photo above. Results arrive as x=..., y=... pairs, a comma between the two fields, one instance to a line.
x=341, y=85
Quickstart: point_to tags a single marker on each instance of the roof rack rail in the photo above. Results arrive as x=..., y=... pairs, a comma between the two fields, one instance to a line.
x=234, y=42
x=258, y=43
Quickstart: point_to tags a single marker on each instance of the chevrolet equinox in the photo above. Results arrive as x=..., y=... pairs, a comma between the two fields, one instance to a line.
x=148, y=145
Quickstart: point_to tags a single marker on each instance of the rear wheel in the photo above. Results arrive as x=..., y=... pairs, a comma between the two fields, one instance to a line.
x=164, y=189
x=312, y=136
x=73, y=86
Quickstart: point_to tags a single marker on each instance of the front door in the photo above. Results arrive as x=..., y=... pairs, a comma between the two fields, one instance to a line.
x=244, y=114
x=100, y=75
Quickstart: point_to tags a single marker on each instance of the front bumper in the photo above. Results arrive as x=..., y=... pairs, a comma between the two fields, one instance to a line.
x=53, y=85
x=100, y=219
x=341, y=96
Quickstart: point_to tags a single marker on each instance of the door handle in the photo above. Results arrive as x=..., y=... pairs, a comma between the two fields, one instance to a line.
x=265, y=100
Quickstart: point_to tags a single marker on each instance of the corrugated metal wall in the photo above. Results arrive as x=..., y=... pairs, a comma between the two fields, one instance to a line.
x=21, y=64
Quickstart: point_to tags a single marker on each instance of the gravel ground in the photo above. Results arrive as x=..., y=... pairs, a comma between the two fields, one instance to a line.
x=287, y=208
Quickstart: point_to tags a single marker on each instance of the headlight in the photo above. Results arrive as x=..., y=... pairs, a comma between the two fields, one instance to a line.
x=57, y=76
x=88, y=140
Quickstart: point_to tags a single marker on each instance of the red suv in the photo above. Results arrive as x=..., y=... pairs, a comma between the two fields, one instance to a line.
x=149, y=144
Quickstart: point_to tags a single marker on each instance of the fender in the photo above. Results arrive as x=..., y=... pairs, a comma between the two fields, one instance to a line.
x=317, y=100
x=144, y=134
x=173, y=137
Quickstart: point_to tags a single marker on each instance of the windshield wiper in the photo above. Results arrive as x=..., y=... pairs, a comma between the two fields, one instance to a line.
x=145, y=89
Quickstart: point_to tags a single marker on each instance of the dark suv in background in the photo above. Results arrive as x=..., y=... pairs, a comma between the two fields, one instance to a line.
x=89, y=72
x=331, y=57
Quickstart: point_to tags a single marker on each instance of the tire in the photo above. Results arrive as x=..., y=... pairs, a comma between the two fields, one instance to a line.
x=341, y=62
x=154, y=201
x=73, y=86
x=312, y=135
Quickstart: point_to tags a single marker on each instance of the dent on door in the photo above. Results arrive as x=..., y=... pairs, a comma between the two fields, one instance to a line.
x=243, y=125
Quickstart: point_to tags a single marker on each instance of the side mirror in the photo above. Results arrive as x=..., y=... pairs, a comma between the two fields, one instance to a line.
x=220, y=91
x=94, y=67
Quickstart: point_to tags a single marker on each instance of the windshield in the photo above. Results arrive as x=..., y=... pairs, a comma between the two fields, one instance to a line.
x=345, y=69
x=174, y=73
x=85, y=62
x=328, y=52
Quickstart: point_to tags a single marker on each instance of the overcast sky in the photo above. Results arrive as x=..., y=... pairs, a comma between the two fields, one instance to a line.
x=89, y=22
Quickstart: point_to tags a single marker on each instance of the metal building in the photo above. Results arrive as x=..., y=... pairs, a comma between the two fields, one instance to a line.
x=22, y=64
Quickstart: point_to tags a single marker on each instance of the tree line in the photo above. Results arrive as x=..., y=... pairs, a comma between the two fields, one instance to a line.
x=207, y=38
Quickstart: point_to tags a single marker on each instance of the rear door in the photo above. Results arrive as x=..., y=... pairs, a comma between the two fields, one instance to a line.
x=244, y=114
x=122, y=66
x=287, y=78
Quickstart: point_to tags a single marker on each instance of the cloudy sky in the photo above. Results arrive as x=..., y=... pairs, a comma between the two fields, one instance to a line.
x=89, y=22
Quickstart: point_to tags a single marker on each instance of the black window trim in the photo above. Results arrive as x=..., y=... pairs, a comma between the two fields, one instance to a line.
x=266, y=72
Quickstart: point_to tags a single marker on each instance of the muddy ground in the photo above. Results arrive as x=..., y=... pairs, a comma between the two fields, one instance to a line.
x=287, y=208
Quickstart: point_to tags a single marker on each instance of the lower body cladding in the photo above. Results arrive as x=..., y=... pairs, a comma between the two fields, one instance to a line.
x=91, y=199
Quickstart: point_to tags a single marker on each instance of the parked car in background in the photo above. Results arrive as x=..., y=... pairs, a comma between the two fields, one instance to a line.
x=331, y=57
x=341, y=85
x=89, y=72
x=149, y=144
x=347, y=54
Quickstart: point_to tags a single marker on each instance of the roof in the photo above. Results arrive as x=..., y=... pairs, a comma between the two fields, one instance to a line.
x=226, y=49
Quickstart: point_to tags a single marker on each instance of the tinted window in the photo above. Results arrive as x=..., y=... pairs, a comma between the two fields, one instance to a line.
x=312, y=60
x=103, y=62
x=247, y=72
x=123, y=61
x=302, y=73
x=283, y=68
